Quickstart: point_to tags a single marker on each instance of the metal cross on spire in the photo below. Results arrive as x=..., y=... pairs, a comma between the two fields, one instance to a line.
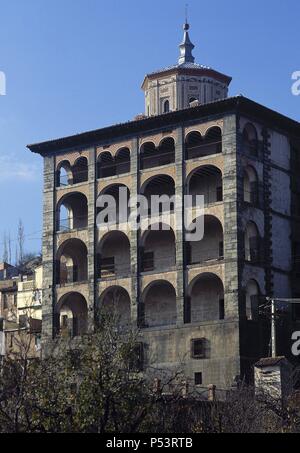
x=186, y=47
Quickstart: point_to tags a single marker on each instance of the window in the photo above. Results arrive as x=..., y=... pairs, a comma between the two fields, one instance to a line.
x=198, y=379
x=250, y=140
x=15, y=300
x=23, y=321
x=199, y=349
x=166, y=106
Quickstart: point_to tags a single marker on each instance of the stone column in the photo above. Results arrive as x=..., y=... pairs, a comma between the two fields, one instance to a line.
x=92, y=238
x=232, y=225
x=180, y=234
x=134, y=237
x=48, y=253
x=233, y=245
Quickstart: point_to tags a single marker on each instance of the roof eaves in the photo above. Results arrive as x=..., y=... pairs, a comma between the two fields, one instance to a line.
x=241, y=104
x=130, y=127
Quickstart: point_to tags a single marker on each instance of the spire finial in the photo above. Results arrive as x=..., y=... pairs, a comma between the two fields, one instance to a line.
x=186, y=12
x=186, y=47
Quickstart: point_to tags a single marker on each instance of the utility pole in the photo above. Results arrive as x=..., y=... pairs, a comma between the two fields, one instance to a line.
x=273, y=327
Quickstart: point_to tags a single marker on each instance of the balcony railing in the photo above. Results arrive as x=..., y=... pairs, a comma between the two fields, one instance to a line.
x=157, y=160
x=203, y=150
x=68, y=276
x=107, y=171
x=211, y=197
x=205, y=257
x=67, y=180
x=157, y=265
x=70, y=224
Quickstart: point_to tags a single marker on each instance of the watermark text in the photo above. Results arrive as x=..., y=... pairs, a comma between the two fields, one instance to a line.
x=2, y=84
x=296, y=84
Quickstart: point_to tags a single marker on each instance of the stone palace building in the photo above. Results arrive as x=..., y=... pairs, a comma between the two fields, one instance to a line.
x=200, y=305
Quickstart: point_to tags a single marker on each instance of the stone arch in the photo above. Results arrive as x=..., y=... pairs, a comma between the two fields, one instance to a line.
x=64, y=175
x=80, y=170
x=148, y=181
x=167, y=144
x=252, y=296
x=147, y=155
x=206, y=298
x=113, y=255
x=210, y=247
x=71, y=262
x=123, y=161
x=193, y=144
x=251, y=185
x=115, y=301
x=72, y=212
x=119, y=210
x=159, y=186
x=106, y=166
x=250, y=139
x=158, y=249
x=159, y=304
x=71, y=315
x=212, y=141
x=152, y=156
x=206, y=180
x=252, y=243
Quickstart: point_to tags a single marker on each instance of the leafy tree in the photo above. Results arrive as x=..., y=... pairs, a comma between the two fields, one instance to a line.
x=96, y=384
x=91, y=384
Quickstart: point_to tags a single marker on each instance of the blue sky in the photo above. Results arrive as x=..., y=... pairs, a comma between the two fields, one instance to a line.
x=75, y=65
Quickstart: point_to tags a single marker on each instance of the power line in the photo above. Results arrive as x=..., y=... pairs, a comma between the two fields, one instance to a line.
x=12, y=241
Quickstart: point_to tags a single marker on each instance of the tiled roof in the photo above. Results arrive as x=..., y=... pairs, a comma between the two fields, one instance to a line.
x=237, y=103
x=269, y=361
x=180, y=66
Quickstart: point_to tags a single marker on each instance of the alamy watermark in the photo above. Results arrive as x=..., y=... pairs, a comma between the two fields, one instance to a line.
x=2, y=84
x=296, y=344
x=158, y=212
x=296, y=84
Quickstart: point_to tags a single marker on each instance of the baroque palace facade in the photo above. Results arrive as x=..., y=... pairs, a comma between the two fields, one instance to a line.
x=196, y=303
